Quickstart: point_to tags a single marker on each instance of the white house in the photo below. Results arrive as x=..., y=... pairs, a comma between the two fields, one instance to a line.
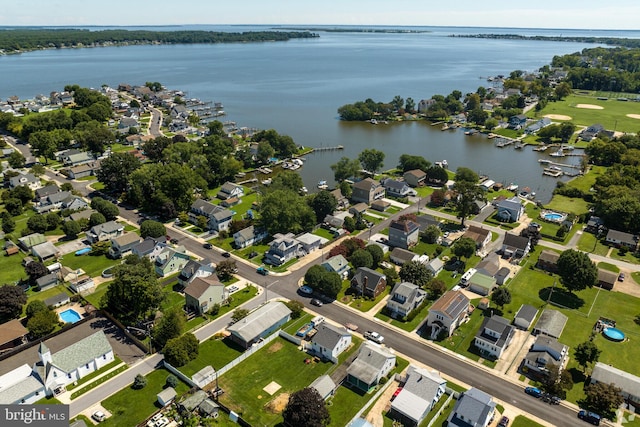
x=405, y=297
x=494, y=336
x=330, y=341
x=448, y=312
x=546, y=351
x=249, y=236
x=372, y=363
x=420, y=392
x=510, y=209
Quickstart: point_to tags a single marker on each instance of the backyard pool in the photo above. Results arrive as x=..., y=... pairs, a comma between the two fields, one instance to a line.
x=552, y=216
x=70, y=316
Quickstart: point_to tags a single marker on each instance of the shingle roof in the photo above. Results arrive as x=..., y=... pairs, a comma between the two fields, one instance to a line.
x=200, y=285
x=11, y=330
x=451, y=303
x=371, y=359
x=513, y=240
x=402, y=254
x=472, y=407
x=608, y=374
x=15, y=392
x=551, y=322
x=324, y=385
x=328, y=335
x=527, y=312
x=126, y=239
x=549, y=256
x=82, y=352
x=418, y=392
x=259, y=320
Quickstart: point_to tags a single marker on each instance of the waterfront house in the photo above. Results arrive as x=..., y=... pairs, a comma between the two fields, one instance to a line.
x=335, y=221
x=591, y=132
x=203, y=293
x=525, y=316
x=150, y=247
x=424, y=104
x=342, y=201
x=194, y=269
x=415, y=177
x=403, y=234
x=31, y=240
x=509, y=210
x=606, y=279
x=405, y=297
x=104, y=231
x=474, y=408
x=494, y=336
x=550, y=323
x=544, y=352
x=367, y=190
x=123, y=244
x=482, y=284
x=282, y=248
x=628, y=383
x=330, y=341
x=27, y=179
x=515, y=246
x=518, y=121
x=448, y=312
x=338, y=264
x=260, y=323
x=368, y=282
x=401, y=256
x=419, y=393
x=398, y=188
x=620, y=239
x=370, y=365
x=548, y=261
x=229, y=190
x=481, y=236
x=171, y=260
x=45, y=251
x=535, y=127
x=249, y=236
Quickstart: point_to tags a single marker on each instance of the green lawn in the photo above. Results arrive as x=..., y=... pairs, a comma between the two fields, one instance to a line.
x=95, y=297
x=92, y=265
x=585, y=182
x=214, y=352
x=12, y=269
x=43, y=295
x=589, y=243
x=568, y=205
x=522, y=421
x=323, y=233
x=608, y=267
x=410, y=325
x=128, y=407
x=94, y=374
x=625, y=256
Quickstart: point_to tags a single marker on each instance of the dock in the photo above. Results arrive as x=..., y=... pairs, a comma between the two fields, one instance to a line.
x=503, y=142
x=337, y=147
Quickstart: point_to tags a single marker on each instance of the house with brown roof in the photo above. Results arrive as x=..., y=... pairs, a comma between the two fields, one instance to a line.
x=448, y=312
x=367, y=190
x=606, y=279
x=12, y=334
x=123, y=244
x=203, y=293
x=415, y=177
x=481, y=236
x=548, y=260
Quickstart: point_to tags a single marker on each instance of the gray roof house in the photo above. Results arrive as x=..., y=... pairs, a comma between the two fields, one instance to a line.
x=21, y=385
x=401, y=256
x=515, y=246
x=150, y=247
x=249, y=236
x=170, y=260
x=629, y=383
x=330, y=341
x=219, y=217
x=367, y=190
x=229, y=190
x=43, y=192
x=338, y=264
x=47, y=281
x=282, y=248
x=525, y=316
x=194, y=269
x=474, y=408
x=259, y=323
x=44, y=251
x=448, y=312
x=620, y=238
x=371, y=364
x=544, y=352
x=551, y=323
x=420, y=392
x=494, y=336
x=123, y=244
x=325, y=386
x=27, y=179
x=435, y=266
x=105, y=231
x=398, y=188
x=405, y=297
x=510, y=209
x=368, y=282
x=404, y=234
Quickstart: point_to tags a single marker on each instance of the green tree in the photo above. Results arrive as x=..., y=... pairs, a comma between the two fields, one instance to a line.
x=586, y=353
x=8, y=224
x=180, y=351
x=287, y=180
x=466, y=194
x=431, y=234
x=13, y=206
x=265, y=152
x=42, y=323
x=562, y=90
x=35, y=270
x=410, y=105
x=436, y=288
x=306, y=408
x=37, y=170
x=466, y=175
x=296, y=307
x=361, y=258
x=409, y=162
x=12, y=298
x=557, y=381
x=566, y=131
x=71, y=229
x=415, y=272
x=225, y=269
x=34, y=307
x=96, y=219
x=172, y=381
x=38, y=224
x=43, y=145
x=376, y=253
x=323, y=204
x=151, y=228
x=171, y=325
x=239, y=314
x=464, y=247
x=16, y=160
x=345, y=189
x=603, y=398
x=576, y=270
x=139, y=382
x=501, y=297
x=115, y=170
x=437, y=174
x=344, y=169
x=283, y=211
x=371, y=160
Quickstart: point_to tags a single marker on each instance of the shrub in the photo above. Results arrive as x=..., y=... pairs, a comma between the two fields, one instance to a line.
x=172, y=381
x=139, y=382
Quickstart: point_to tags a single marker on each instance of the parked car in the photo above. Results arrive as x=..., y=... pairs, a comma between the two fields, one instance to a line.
x=305, y=290
x=504, y=422
x=252, y=254
x=621, y=277
x=316, y=302
x=589, y=417
x=226, y=254
x=98, y=416
x=374, y=336
x=533, y=391
x=262, y=270
x=207, y=246
x=351, y=326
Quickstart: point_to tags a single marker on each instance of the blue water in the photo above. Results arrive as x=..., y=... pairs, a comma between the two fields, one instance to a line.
x=70, y=316
x=83, y=251
x=613, y=334
x=553, y=216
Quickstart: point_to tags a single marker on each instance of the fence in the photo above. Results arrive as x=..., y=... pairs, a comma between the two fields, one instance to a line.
x=443, y=407
x=289, y=337
x=179, y=374
x=247, y=353
x=125, y=331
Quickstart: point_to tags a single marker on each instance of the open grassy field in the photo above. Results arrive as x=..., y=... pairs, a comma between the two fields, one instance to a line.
x=585, y=182
x=613, y=115
x=568, y=205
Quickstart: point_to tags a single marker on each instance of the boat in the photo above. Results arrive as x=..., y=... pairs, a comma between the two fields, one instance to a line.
x=445, y=127
x=491, y=135
x=512, y=187
x=266, y=181
x=322, y=184
x=518, y=146
x=558, y=153
x=471, y=132
x=555, y=168
x=443, y=164
x=544, y=161
x=373, y=121
x=541, y=148
x=303, y=190
x=552, y=172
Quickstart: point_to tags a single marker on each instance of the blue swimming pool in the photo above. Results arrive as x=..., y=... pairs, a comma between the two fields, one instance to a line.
x=552, y=216
x=70, y=316
x=614, y=334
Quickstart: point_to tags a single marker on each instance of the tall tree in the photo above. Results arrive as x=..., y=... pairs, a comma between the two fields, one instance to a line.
x=171, y=325
x=12, y=298
x=371, y=159
x=410, y=162
x=115, y=170
x=42, y=323
x=576, y=270
x=467, y=175
x=586, y=353
x=464, y=247
x=323, y=204
x=361, y=258
x=306, y=408
x=501, y=297
x=283, y=211
x=603, y=398
x=415, y=272
x=466, y=194
x=344, y=169
x=151, y=228
x=557, y=381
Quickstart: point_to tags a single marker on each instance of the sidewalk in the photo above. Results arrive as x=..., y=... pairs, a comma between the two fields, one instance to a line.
x=66, y=396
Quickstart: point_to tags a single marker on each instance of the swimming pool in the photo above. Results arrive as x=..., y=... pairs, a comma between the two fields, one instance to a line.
x=552, y=216
x=70, y=316
x=613, y=334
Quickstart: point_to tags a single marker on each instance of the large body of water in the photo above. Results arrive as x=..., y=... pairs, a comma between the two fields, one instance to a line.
x=297, y=86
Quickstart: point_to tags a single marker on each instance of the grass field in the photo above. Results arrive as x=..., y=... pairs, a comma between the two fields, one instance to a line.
x=522, y=421
x=214, y=352
x=585, y=182
x=612, y=116
x=589, y=243
x=568, y=205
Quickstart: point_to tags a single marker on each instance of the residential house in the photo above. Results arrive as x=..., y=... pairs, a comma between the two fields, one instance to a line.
x=419, y=393
x=591, y=132
x=544, y=352
x=620, y=239
x=424, y=104
x=548, y=261
x=343, y=202
x=27, y=179
x=594, y=225
x=123, y=244
x=371, y=364
x=58, y=300
x=86, y=169
x=525, y=316
x=482, y=284
x=397, y=188
x=52, y=201
x=405, y=297
x=338, y=264
x=249, y=236
x=426, y=220
x=509, y=210
x=502, y=275
x=31, y=240
x=494, y=336
x=105, y=231
x=203, y=293
x=74, y=203
x=358, y=209
x=325, y=386
x=10, y=248
x=76, y=158
x=84, y=214
x=44, y=192
x=335, y=221
x=126, y=123
x=474, y=408
x=380, y=205
x=435, y=266
x=606, y=279
x=218, y=217
x=368, y=282
x=481, y=236
x=403, y=234
x=551, y=323
x=515, y=246
x=80, y=284
x=517, y=122
x=401, y=256
x=194, y=269
x=171, y=260
x=628, y=383
x=12, y=334
x=260, y=323
x=415, y=177
x=448, y=312
x=45, y=251
x=367, y=190
x=487, y=184
x=229, y=190
x=150, y=247
x=310, y=242
x=282, y=248
x=330, y=341
x=490, y=265
x=47, y=281
x=21, y=386
x=535, y=127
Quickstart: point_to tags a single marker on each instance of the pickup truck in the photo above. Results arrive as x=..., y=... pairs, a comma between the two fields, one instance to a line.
x=374, y=336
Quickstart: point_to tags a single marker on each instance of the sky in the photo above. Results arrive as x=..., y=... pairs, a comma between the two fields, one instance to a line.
x=582, y=14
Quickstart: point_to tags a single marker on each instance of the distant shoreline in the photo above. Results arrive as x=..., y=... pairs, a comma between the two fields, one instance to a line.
x=610, y=41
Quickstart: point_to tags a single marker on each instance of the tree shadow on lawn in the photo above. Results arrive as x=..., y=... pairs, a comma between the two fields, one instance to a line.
x=561, y=297
x=577, y=376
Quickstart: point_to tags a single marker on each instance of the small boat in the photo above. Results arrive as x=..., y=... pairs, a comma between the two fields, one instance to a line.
x=303, y=190
x=568, y=147
x=322, y=184
x=445, y=127
x=558, y=153
x=552, y=172
x=555, y=168
x=541, y=148
x=518, y=146
x=544, y=161
x=266, y=181
x=491, y=135
x=373, y=121
x=512, y=187
x=471, y=132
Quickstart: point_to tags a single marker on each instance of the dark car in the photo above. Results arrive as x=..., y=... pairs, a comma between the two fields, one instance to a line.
x=252, y=254
x=226, y=254
x=589, y=417
x=504, y=422
x=316, y=302
x=621, y=277
x=533, y=391
x=207, y=246
x=262, y=270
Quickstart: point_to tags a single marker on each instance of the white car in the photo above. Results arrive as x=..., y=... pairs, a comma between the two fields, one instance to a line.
x=99, y=416
x=374, y=336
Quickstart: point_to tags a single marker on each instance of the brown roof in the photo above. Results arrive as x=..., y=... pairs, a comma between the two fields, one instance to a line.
x=549, y=256
x=200, y=285
x=451, y=303
x=476, y=234
x=11, y=330
x=418, y=173
x=607, y=276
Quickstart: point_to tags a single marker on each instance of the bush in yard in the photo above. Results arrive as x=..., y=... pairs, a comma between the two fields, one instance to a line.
x=139, y=382
x=296, y=308
x=179, y=351
x=172, y=381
